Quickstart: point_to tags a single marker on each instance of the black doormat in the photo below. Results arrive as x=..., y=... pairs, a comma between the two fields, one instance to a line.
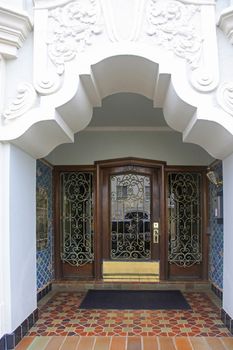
x=135, y=300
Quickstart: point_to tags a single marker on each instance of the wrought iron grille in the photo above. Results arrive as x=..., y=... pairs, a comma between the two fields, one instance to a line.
x=130, y=217
x=77, y=218
x=184, y=219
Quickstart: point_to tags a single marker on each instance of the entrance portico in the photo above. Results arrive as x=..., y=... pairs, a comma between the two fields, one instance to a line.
x=82, y=54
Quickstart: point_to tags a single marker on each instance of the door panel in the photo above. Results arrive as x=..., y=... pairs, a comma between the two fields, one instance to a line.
x=130, y=207
x=76, y=224
x=186, y=223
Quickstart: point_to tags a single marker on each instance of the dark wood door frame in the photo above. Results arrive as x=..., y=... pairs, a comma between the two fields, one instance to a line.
x=98, y=170
x=101, y=192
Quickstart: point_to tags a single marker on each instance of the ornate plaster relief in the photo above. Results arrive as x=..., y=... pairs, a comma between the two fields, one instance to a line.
x=225, y=96
x=23, y=102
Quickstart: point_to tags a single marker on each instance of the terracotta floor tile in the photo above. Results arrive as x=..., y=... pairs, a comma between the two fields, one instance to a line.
x=25, y=342
x=102, y=343
x=86, y=343
x=199, y=343
x=118, y=343
x=70, y=343
x=215, y=343
x=150, y=343
x=166, y=343
x=134, y=343
x=55, y=343
x=183, y=343
x=39, y=343
x=228, y=342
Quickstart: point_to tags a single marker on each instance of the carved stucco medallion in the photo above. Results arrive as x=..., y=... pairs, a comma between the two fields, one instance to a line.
x=173, y=25
x=71, y=29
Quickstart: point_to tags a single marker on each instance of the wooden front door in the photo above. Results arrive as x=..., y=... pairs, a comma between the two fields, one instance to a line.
x=130, y=221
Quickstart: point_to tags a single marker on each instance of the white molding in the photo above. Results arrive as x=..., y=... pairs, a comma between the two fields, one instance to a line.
x=14, y=29
x=2, y=82
x=46, y=4
x=129, y=128
x=225, y=23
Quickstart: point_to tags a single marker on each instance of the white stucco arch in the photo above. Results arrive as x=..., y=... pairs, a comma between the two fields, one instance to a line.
x=137, y=69
x=86, y=50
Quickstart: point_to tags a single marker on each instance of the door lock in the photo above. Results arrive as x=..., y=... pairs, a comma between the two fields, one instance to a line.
x=155, y=232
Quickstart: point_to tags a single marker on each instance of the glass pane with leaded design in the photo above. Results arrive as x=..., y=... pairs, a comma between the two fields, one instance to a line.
x=130, y=217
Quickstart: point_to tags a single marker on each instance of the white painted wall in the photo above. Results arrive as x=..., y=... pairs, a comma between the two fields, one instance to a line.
x=22, y=235
x=5, y=318
x=18, y=237
x=90, y=146
x=228, y=235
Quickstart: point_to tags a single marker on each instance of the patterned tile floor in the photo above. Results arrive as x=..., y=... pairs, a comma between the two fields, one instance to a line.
x=61, y=316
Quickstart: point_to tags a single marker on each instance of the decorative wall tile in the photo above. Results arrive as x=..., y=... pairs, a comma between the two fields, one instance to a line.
x=45, y=265
x=216, y=234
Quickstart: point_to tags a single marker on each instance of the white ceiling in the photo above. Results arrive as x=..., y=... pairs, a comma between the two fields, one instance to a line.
x=129, y=110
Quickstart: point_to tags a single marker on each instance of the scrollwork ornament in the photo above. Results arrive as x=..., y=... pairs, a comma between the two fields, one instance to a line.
x=202, y=80
x=71, y=29
x=48, y=83
x=171, y=24
x=225, y=96
x=23, y=102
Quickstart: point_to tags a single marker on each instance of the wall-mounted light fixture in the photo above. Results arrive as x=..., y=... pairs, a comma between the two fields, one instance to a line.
x=213, y=178
x=218, y=197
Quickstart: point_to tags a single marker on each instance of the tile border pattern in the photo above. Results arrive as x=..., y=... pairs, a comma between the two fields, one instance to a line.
x=216, y=233
x=44, y=257
x=217, y=291
x=227, y=320
x=44, y=291
x=9, y=341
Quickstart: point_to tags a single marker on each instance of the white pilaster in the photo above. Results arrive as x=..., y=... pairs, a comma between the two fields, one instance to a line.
x=17, y=236
x=5, y=314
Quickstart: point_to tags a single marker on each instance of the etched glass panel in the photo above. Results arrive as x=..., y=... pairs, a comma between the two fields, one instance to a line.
x=184, y=219
x=130, y=217
x=77, y=218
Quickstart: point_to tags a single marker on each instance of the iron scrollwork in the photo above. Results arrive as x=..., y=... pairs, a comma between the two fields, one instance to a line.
x=130, y=217
x=77, y=218
x=184, y=219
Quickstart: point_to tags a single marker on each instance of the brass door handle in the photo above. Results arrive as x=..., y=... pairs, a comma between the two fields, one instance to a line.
x=155, y=238
x=155, y=232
